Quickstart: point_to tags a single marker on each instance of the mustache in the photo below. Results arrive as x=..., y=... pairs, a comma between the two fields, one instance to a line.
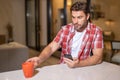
x=76, y=24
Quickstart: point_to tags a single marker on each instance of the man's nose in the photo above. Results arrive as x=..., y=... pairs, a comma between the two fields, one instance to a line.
x=76, y=20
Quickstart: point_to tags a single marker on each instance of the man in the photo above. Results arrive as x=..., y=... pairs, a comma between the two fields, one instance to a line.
x=79, y=38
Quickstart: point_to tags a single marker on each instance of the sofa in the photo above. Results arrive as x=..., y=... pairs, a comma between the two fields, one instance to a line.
x=12, y=55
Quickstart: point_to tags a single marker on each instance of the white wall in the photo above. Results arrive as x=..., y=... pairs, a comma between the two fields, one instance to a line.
x=18, y=20
x=13, y=11
x=43, y=22
x=5, y=15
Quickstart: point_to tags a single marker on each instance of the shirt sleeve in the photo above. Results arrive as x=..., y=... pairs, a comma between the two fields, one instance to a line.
x=58, y=37
x=98, y=40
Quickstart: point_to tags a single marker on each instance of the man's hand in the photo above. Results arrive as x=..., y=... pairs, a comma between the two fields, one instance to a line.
x=35, y=60
x=71, y=63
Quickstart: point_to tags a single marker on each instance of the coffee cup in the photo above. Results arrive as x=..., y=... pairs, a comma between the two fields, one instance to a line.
x=28, y=69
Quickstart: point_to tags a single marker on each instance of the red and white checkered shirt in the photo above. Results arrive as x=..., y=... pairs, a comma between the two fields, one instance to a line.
x=92, y=39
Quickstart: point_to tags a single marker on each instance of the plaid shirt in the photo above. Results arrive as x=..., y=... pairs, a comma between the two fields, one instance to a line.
x=92, y=39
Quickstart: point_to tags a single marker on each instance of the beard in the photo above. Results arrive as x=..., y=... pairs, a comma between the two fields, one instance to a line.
x=77, y=26
x=80, y=27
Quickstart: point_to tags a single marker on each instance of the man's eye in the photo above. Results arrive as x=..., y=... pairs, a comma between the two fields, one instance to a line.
x=80, y=17
x=73, y=17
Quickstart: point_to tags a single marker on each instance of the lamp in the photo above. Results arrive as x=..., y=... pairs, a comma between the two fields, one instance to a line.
x=109, y=35
x=69, y=2
x=109, y=22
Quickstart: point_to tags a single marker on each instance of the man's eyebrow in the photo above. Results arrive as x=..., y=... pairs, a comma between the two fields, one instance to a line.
x=73, y=16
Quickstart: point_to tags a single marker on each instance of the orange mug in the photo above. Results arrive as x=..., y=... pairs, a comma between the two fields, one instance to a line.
x=28, y=69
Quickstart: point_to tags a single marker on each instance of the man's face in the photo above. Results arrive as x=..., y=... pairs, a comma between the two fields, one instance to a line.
x=79, y=19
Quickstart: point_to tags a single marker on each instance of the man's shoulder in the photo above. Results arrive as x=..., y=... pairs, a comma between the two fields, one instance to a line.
x=68, y=25
x=94, y=26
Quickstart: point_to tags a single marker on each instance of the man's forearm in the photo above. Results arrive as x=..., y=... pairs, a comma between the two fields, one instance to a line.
x=48, y=51
x=45, y=54
x=92, y=60
x=89, y=61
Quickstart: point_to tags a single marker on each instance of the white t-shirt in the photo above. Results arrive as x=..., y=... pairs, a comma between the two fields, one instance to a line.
x=76, y=43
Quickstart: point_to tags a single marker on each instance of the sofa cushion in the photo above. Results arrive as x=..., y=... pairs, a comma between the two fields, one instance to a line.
x=116, y=57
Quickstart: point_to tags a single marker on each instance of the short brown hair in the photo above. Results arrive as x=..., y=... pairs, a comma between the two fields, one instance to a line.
x=80, y=6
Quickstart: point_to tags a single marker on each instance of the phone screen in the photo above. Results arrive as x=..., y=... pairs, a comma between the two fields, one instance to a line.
x=68, y=56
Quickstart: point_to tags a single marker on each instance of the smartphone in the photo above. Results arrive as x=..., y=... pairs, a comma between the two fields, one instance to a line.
x=68, y=56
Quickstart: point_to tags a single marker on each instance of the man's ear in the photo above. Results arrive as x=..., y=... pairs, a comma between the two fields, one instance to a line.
x=88, y=16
